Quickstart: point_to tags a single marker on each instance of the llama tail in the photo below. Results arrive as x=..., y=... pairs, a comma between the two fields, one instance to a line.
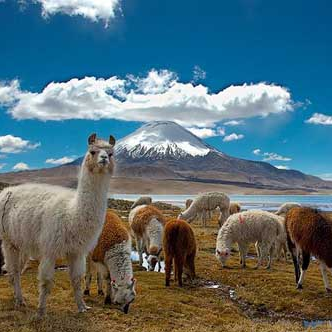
x=171, y=238
x=3, y=205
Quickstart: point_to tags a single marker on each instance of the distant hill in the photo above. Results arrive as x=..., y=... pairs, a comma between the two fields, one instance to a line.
x=164, y=150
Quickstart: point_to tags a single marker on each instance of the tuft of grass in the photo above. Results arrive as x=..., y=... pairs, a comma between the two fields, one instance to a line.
x=265, y=300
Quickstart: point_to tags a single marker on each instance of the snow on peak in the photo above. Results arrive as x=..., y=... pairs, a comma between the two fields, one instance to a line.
x=159, y=139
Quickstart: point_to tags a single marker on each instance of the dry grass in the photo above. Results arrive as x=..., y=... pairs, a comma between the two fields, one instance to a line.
x=192, y=308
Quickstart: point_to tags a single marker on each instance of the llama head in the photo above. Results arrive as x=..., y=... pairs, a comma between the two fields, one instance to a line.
x=99, y=158
x=123, y=293
x=223, y=255
x=153, y=257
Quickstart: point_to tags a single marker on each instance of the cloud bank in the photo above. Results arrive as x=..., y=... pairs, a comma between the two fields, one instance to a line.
x=13, y=144
x=233, y=137
x=320, y=119
x=94, y=10
x=270, y=156
x=60, y=161
x=21, y=167
x=158, y=96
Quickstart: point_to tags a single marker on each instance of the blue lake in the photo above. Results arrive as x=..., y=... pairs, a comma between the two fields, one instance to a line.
x=265, y=202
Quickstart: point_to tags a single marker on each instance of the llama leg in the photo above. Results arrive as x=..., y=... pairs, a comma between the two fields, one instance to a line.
x=293, y=252
x=139, y=247
x=259, y=254
x=108, y=298
x=88, y=276
x=178, y=262
x=304, y=268
x=76, y=272
x=191, y=266
x=325, y=278
x=243, y=248
x=100, y=283
x=269, y=263
x=284, y=249
x=46, y=274
x=13, y=266
x=168, y=269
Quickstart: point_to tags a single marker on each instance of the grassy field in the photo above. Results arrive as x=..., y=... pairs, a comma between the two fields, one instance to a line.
x=245, y=300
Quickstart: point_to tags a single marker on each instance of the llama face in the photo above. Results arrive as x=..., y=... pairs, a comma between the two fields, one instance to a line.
x=223, y=255
x=152, y=262
x=99, y=158
x=123, y=294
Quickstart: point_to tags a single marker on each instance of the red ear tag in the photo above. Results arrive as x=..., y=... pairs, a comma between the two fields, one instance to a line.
x=241, y=219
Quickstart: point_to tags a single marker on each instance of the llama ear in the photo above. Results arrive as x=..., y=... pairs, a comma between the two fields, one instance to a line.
x=111, y=140
x=92, y=138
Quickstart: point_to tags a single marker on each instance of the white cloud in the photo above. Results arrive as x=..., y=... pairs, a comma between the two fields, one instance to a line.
x=198, y=74
x=94, y=10
x=233, y=123
x=21, y=167
x=321, y=119
x=60, y=161
x=155, y=82
x=233, y=137
x=268, y=156
x=159, y=96
x=207, y=132
x=282, y=167
x=14, y=144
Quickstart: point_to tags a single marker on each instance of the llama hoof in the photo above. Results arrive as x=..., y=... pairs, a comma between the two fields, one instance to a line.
x=100, y=292
x=299, y=286
x=328, y=290
x=40, y=313
x=19, y=303
x=87, y=292
x=107, y=300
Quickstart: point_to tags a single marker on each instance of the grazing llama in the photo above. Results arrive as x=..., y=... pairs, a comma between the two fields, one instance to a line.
x=111, y=257
x=179, y=246
x=48, y=222
x=147, y=226
x=206, y=203
x=234, y=207
x=310, y=233
x=245, y=228
x=143, y=200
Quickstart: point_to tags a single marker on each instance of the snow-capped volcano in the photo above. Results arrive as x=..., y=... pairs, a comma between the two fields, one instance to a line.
x=162, y=139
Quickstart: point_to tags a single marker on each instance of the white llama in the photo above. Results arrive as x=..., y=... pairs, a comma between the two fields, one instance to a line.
x=48, y=222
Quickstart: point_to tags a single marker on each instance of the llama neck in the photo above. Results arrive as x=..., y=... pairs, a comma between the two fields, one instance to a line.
x=118, y=259
x=226, y=238
x=155, y=232
x=190, y=212
x=91, y=199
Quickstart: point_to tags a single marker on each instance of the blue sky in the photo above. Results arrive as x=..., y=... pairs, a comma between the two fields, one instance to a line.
x=244, y=74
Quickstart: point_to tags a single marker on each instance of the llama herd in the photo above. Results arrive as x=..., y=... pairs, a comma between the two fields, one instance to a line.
x=49, y=222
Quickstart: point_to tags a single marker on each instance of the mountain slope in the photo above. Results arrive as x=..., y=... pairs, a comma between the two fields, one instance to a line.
x=167, y=145
x=164, y=150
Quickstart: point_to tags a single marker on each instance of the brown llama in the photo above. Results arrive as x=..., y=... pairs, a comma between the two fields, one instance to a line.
x=309, y=232
x=179, y=246
x=234, y=207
